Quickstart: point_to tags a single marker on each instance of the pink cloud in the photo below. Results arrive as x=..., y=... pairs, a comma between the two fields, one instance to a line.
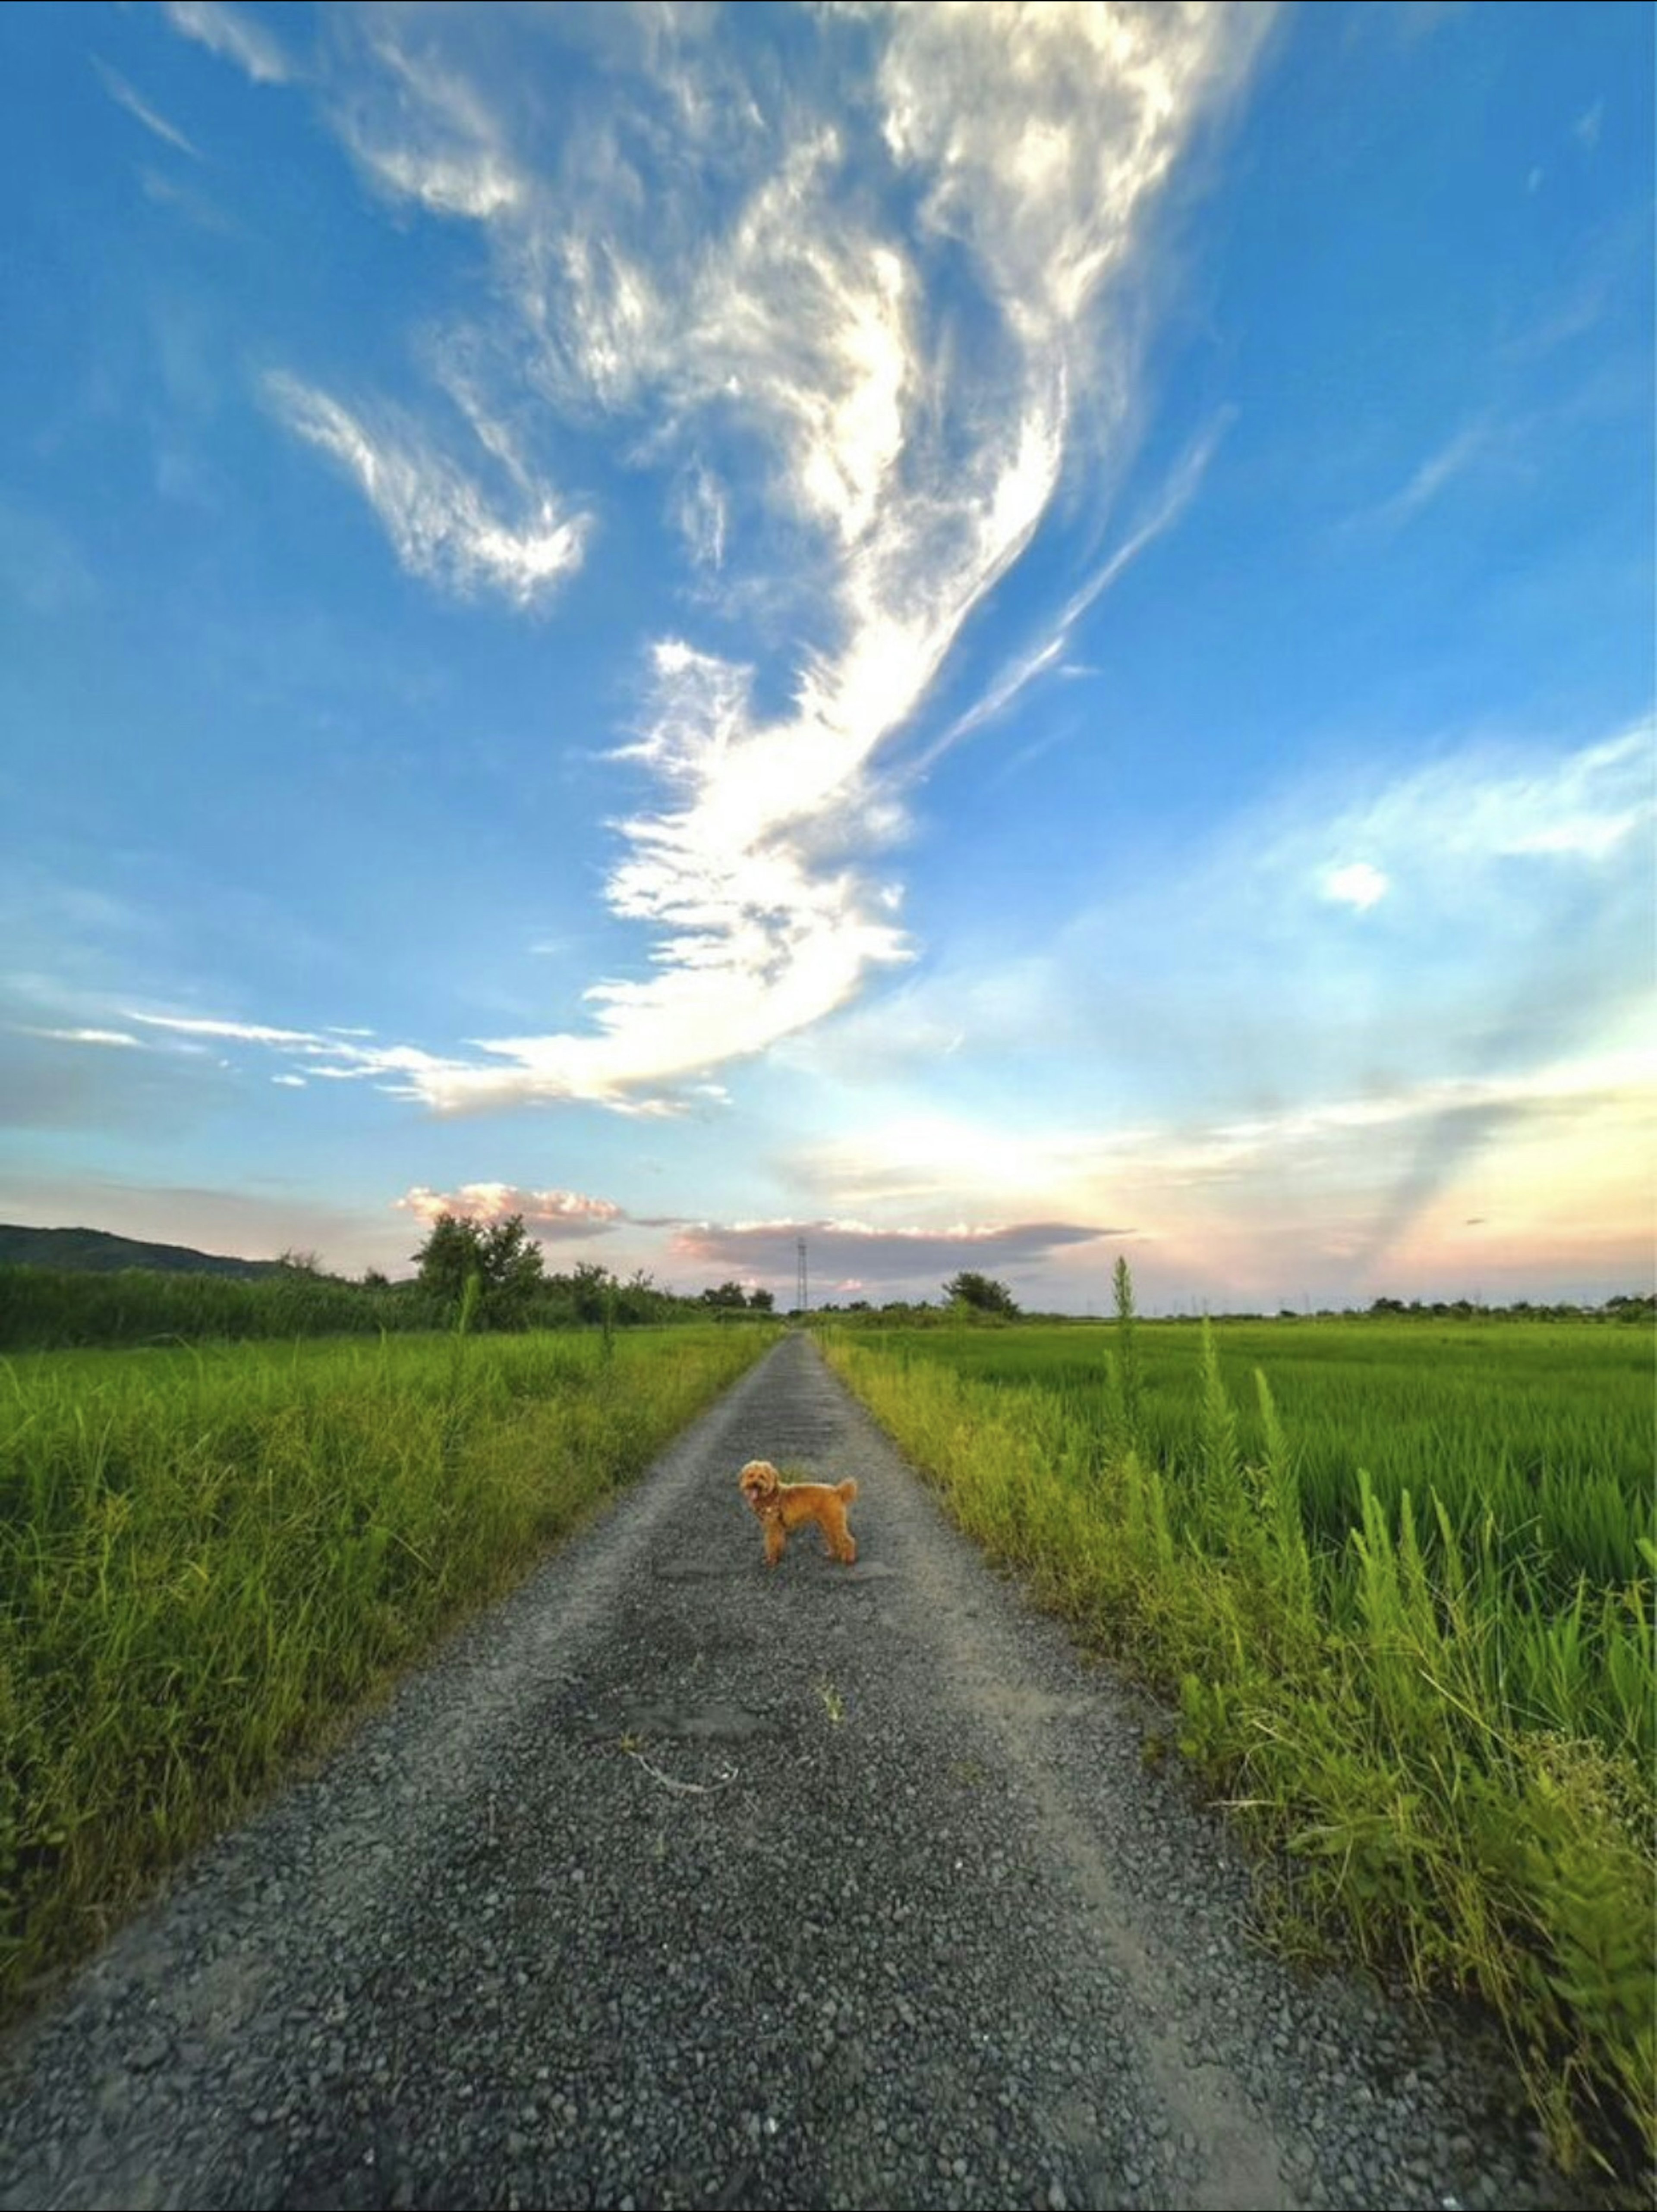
x=545, y=1212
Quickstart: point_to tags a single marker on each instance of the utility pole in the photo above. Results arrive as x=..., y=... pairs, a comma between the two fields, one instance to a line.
x=801, y=1298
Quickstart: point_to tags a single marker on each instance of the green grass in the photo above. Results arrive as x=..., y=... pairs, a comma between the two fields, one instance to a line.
x=207, y=1554
x=1547, y=1428
x=1405, y=1598
x=51, y=1308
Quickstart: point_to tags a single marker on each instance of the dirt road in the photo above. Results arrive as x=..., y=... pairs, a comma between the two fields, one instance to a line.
x=678, y=1882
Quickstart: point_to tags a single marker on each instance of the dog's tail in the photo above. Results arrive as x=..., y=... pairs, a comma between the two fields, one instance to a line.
x=848, y=1489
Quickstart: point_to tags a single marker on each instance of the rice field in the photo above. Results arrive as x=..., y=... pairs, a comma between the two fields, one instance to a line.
x=1546, y=1429
x=1399, y=1578
x=208, y=1554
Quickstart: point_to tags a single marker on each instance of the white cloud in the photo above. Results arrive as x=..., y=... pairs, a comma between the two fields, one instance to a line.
x=439, y=521
x=1171, y=503
x=703, y=515
x=1356, y=884
x=122, y=93
x=721, y=275
x=1486, y=806
x=421, y=131
x=1040, y=132
x=1458, y=453
x=87, y=1036
x=234, y=36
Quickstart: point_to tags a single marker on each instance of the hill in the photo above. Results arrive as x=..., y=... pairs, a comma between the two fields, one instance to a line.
x=96, y=1251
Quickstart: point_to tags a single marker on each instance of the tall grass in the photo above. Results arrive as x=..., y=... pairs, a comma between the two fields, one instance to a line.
x=63, y=1308
x=207, y=1554
x=1409, y=1685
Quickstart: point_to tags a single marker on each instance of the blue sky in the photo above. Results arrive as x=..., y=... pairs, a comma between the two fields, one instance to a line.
x=993, y=635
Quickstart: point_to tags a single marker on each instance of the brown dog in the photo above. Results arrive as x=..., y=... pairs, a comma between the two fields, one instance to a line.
x=782, y=1506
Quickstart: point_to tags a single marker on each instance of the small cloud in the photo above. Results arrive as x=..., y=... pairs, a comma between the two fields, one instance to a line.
x=88, y=1036
x=124, y=96
x=702, y=517
x=234, y=36
x=1586, y=128
x=1358, y=885
x=290, y=1082
x=1439, y=470
x=165, y=192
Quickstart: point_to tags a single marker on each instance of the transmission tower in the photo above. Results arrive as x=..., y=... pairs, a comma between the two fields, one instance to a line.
x=801, y=1299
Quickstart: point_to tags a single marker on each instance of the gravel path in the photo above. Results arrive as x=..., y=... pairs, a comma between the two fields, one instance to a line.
x=673, y=1881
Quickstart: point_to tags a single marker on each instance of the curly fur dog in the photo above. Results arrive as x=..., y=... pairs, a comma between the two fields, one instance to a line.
x=783, y=1506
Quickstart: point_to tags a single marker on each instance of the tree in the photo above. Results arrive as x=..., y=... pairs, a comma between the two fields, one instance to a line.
x=593, y=1291
x=761, y=1301
x=503, y=1257
x=730, y=1295
x=980, y=1294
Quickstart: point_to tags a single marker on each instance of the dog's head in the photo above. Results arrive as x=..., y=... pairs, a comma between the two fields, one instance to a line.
x=760, y=1483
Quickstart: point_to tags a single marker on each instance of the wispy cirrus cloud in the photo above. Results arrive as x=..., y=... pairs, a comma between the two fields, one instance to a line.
x=235, y=36
x=439, y=520
x=124, y=96
x=842, y=312
x=1457, y=457
x=117, y=1037
x=1487, y=806
x=1049, y=656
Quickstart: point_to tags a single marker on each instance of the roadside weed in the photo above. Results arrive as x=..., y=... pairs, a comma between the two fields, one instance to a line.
x=1409, y=1623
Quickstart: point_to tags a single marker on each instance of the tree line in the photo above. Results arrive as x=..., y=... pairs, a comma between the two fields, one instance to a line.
x=496, y=1274
x=47, y=1308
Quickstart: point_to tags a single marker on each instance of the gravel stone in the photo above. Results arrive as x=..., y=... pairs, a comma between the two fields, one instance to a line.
x=675, y=1881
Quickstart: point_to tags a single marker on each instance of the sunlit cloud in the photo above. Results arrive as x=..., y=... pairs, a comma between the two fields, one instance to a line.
x=117, y=1037
x=1487, y=806
x=1357, y=885
x=438, y=519
x=1351, y=1177
x=420, y=131
x=773, y=302
x=555, y=1213
x=232, y=35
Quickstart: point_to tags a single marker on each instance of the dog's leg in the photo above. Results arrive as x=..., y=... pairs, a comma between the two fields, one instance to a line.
x=837, y=1539
x=774, y=1540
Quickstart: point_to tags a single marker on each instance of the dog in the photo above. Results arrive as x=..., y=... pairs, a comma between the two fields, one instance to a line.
x=782, y=1506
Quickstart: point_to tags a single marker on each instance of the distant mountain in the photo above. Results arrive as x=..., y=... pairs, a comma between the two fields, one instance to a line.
x=95, y=1251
